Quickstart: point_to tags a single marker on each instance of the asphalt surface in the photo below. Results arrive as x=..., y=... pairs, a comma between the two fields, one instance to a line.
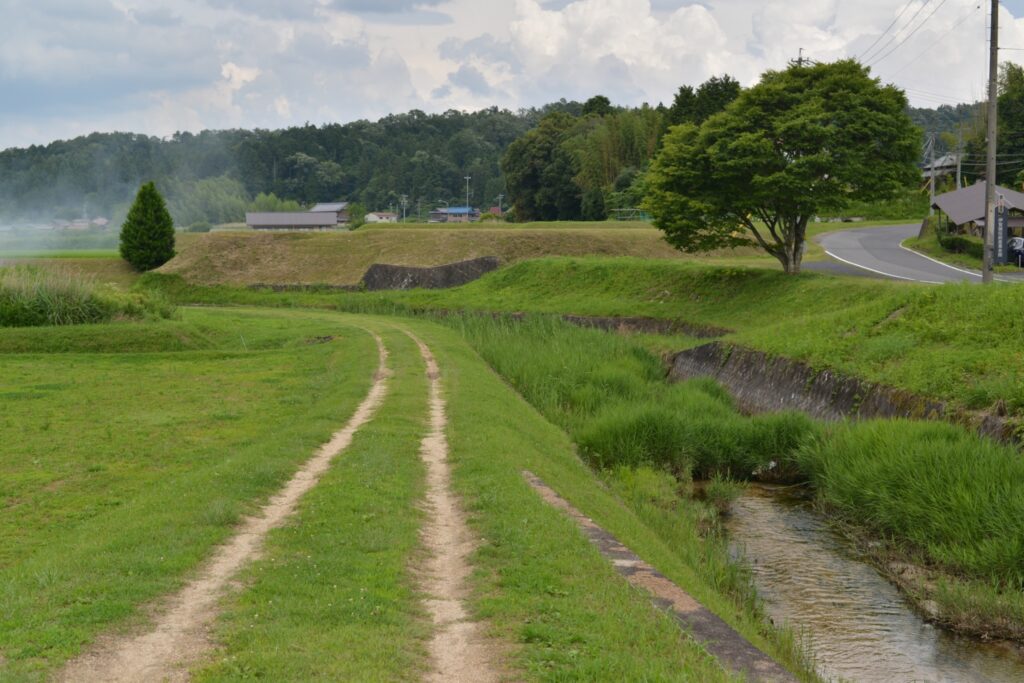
x=876, y=252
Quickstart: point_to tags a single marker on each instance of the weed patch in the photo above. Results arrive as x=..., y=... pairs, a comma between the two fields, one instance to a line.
x=32, y=296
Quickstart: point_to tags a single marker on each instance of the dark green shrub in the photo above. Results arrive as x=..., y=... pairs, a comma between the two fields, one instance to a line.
x=962, y=244
x=147, y=236
x=199, y=226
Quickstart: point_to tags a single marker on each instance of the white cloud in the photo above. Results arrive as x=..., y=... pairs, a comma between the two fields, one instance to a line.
x=156, y=66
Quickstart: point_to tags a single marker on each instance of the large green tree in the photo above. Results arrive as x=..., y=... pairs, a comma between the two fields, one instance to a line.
x=539, y=171
x=802, y=142
x=147, y=236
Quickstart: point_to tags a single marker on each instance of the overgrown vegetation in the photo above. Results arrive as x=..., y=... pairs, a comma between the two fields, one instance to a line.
x=942, y=497
x=31, y=295
x=954, y=496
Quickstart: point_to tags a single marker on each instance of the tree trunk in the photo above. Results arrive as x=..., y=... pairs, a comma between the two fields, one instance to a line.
x=793, y=249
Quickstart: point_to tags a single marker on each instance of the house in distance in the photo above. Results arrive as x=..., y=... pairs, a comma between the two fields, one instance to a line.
x=381, y=217
x=454, y=214
x=324, y=216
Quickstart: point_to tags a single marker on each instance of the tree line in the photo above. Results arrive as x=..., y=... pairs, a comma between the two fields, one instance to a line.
x=215, y=175
x=567, y=160
x=590, y=164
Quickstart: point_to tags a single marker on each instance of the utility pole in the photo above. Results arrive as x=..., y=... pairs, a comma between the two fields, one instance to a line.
x=800, y=58
x=500, y=197
x=990, y=161
x=468, y=210
x=931, y=165
x=405, y=202
x=959, y=151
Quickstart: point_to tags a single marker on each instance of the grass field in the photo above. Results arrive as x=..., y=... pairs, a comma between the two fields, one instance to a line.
x=141, y=445
x=131, y=464
x=245, y=257
x=955, y=342
x=185, y=425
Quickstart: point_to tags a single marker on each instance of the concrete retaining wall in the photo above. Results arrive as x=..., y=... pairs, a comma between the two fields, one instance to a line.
x=763, y=383
x=382, y=276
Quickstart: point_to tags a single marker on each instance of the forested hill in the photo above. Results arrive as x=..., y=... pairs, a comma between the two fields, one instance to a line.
x=214, y=174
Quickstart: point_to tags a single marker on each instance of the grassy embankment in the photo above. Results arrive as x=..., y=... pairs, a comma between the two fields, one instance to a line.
x=546, y=593
x=939, y=497
x=247, y=257
x=122, y=469
x=956, y=342
x=112, y=506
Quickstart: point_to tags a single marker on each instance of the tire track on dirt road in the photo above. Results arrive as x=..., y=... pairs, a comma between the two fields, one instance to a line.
x=179, y=635
x=459, y=651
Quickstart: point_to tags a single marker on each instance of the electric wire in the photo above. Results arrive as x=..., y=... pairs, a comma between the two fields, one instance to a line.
x=887, y=28
x=894, y=35
x=938, y=40
x=910, y=35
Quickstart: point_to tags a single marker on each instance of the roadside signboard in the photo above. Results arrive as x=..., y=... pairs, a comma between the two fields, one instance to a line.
x=1002, y=234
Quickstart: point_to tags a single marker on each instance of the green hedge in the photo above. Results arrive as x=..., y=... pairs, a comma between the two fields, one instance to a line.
x=963, y=244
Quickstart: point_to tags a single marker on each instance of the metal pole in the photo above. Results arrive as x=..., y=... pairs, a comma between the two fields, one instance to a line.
x=467, y=198
x=990, y=161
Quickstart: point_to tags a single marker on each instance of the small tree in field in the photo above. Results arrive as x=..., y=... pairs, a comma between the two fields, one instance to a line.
x=147, y=235
x=802, y=142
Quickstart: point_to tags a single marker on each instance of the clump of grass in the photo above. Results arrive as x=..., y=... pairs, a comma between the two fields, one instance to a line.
x=32, y=296
x=948, y=493
x=721, y=491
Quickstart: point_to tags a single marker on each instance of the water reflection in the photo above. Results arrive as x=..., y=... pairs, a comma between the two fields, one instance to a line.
x=857, y=624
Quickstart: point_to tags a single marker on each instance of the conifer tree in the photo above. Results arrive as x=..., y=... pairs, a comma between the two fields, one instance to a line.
x=147, y=236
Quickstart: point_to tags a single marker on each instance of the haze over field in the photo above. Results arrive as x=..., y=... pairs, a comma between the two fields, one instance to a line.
x=71, y=68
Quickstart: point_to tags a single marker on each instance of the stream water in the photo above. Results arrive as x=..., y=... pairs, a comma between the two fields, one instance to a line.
x=857, y=625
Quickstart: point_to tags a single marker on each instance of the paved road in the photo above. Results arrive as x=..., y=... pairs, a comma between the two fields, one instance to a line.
x=877, y=252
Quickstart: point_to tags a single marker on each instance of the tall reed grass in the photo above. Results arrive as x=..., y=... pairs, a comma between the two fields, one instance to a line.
x=955, y=496
x=31, y=296
x=610, y=394
x=951, y=498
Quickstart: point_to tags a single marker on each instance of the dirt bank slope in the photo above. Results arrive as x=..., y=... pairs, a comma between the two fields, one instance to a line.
x=245, y=258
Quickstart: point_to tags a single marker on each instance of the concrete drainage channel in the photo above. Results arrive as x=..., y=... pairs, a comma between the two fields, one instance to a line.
x=731, y=649
x=761, y=382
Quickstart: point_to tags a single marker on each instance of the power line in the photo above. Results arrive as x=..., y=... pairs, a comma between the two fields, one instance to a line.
x=909, y=35
x=882, y=34
x=937, y=41
x=903, y=28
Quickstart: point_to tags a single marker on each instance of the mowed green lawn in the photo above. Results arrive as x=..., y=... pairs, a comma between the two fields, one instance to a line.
x=123, y=469
x=119, y=471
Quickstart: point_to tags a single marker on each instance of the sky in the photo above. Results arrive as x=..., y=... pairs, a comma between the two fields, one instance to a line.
x=70, y=67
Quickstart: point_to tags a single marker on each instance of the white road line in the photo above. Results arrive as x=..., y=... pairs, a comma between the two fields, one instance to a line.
x=880, y=272
x=934, y=260
x=969, y=272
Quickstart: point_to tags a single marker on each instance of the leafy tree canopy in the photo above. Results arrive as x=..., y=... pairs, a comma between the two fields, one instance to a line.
x=598, y=105
x=710, y=97
x=803, y=141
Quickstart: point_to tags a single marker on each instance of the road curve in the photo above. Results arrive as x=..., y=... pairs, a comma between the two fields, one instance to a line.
x=877, y=251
